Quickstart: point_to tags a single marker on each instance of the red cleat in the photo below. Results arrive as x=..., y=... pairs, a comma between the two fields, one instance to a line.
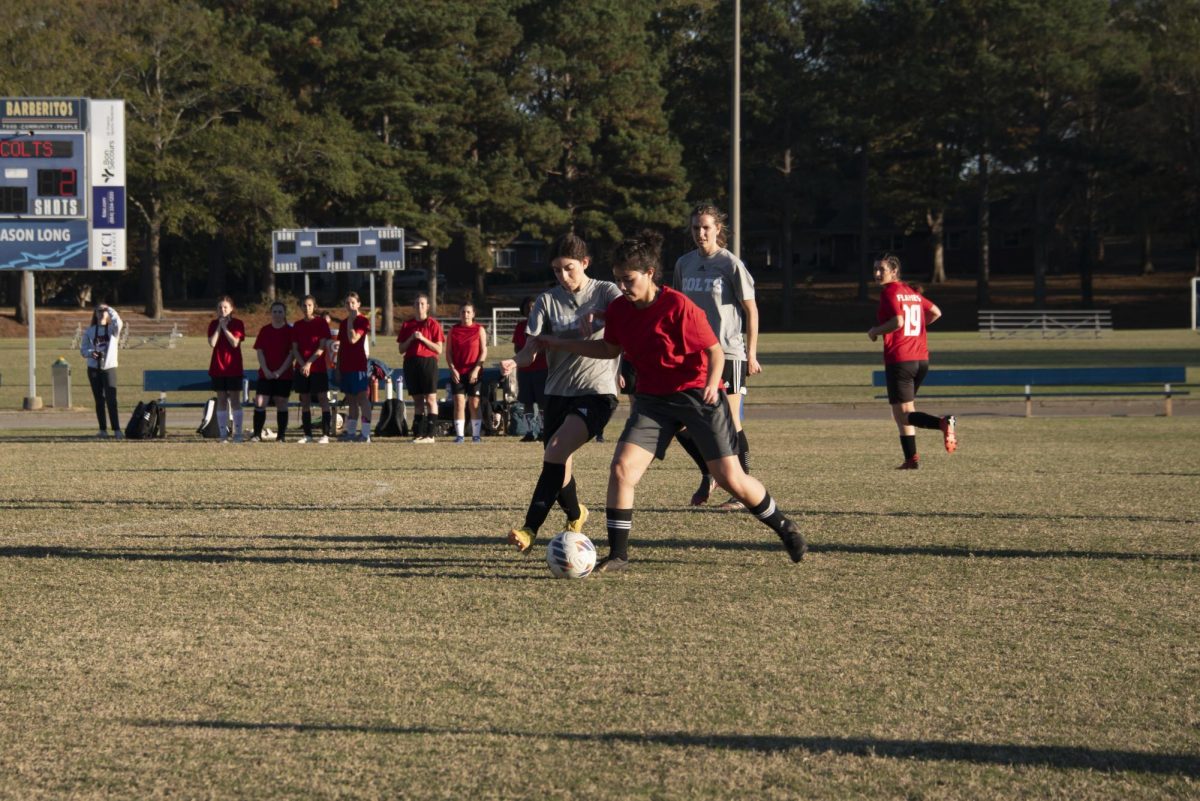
x=910, y=464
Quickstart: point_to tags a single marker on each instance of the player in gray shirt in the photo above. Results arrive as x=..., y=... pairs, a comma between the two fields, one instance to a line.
x=717, y=281
x=581, y=393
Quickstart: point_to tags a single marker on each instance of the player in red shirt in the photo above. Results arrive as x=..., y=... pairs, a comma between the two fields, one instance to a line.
x=904, y=314
x=311, y=380
x=273, y=345
x=421, y=341
x=679, y=362
x=531, y=380
x=465, y=358
x=354, y=347
x=225, y=335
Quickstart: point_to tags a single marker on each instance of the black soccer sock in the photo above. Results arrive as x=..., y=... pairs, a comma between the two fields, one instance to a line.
x=260, y=418
x=743, y=451
x=306, y=422
x=281, y=420
x=619, y=523
x=688, y=443
x=418, y=426
x=568, y=500
x=909, y=443
x=922, y=420
x=544, y=494
x=430, y=423
x=326, y=423
x=769, y=513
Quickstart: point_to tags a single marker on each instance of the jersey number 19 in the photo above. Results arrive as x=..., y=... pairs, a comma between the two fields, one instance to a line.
x=912, y=319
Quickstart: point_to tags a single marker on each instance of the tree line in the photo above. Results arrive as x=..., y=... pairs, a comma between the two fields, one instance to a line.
x=476, y=121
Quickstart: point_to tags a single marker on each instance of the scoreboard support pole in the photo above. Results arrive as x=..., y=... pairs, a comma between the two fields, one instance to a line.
x=372, y=275
x=32, y=401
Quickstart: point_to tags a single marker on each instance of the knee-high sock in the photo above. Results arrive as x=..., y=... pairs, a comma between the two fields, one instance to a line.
x=922, y=420
x=260, y=418
x=281, y=421
x=620, y=524
x=744, y=451
x=549, y=484
x=568, y=499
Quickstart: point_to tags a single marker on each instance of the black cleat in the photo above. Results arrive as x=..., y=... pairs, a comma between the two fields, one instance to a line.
x=793, y=540
x=610, y=564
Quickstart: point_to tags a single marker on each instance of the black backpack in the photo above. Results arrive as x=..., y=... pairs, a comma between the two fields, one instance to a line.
x=149, y=421
x=391, y=419
x=209, y=428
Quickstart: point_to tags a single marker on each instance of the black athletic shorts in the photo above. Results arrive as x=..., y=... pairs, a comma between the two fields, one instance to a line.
x=273, y=387
x=594, y=410
x=733, y=376
x=657, y=418
x=311, y=384
x=421, y=374
x=226, y=383
x=904, y=379
x=531, y=388
x=469, y=388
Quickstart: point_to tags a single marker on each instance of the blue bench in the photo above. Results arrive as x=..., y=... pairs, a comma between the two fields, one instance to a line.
x=1130, y=379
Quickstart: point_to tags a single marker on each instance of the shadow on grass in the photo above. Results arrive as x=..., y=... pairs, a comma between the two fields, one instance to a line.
x=1013, y=755
x=998, y=356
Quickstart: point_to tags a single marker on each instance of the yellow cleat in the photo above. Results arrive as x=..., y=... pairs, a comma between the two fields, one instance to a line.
x=522, y=538
x=576, y=525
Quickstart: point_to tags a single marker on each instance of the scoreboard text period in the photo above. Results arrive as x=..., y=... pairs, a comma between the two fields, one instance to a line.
x=322, y=250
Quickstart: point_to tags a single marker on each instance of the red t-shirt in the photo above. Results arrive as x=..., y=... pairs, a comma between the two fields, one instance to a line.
x=352, y=358
x=309, y=335
x=666, y=342
x=520, y=337
x=432, y=330
x=907, y=343
x=276, y=345
x=465, y=347
x=226, y=361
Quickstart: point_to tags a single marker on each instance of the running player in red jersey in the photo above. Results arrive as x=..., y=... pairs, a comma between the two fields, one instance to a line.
x=679, y=363
x=353, y=350
x=421, y=340
x=311, y=380
x=273, y=345
x=904, y=314
x=225, y=335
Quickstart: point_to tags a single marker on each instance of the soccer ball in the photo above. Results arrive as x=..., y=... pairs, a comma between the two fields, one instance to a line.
x=571, y=555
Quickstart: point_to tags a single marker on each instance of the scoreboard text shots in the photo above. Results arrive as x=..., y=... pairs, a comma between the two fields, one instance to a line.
x=62, y=184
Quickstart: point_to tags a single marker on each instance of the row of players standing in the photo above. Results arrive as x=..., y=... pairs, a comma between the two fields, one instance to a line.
x=686, y=385
x=299, y=357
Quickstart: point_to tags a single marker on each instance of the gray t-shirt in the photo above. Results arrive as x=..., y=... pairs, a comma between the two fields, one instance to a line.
x=557, y=312
x=718, y=284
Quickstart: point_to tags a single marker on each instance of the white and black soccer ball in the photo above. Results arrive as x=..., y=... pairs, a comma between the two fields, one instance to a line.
x=571, y=555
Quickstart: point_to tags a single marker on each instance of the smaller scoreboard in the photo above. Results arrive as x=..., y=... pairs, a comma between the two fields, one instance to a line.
x=331, y=250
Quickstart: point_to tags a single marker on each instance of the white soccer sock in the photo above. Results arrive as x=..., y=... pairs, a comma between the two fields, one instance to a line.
x=366, y=428
x=459, y=425
x=475, y=426
x=352, y=426
x=237, y=421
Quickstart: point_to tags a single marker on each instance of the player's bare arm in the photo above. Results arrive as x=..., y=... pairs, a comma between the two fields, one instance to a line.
x=591, y=348
x=716, y=366
x=886, y=328
x=751, y=309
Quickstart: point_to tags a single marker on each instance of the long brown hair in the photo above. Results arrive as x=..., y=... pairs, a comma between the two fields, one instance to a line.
x=719, y=217
x=569, y=246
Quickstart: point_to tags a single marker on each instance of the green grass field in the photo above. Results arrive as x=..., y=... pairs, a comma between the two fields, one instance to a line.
x=188, y=620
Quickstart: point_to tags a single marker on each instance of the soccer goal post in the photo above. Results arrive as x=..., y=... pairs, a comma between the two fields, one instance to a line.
x=504, y=319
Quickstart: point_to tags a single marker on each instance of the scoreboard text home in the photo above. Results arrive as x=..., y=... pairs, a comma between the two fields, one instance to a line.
x=325, y=250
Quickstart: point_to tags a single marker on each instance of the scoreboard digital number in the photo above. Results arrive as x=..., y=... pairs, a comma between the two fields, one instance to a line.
x=331, y=250
x=42, y=176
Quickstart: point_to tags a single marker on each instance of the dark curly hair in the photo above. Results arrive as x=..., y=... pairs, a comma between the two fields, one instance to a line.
x=640, y=253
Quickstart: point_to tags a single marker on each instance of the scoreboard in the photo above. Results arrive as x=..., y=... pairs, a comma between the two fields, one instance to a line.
x=326, y=250
x=62, y=184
